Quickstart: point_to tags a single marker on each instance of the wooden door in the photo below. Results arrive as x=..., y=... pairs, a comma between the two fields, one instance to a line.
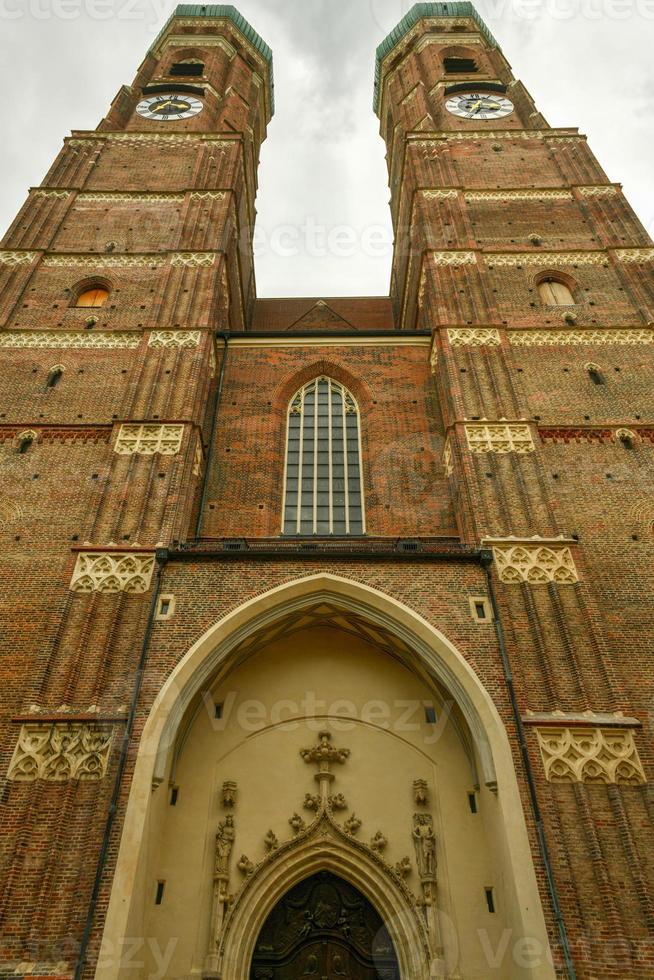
x=324, y=928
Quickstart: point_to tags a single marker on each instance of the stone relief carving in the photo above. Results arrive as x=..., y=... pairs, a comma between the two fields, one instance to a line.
x=58, y=751
x=352, y=825
x=535, y=563
x=54, y=339
x=379, y=842
x=174, y=338
x=311, y=801
x=146, y=440
x=298, y=824
x=519, y=195
x=424, y=841
x=270, y=841
x=404, y=867
x=499, y=437
x=245, y=866
x=420, y=792
x=590, y=755
x=229, y=791
x=105, y=572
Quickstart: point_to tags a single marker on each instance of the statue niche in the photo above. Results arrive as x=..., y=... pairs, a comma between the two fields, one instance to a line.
x=324, y=928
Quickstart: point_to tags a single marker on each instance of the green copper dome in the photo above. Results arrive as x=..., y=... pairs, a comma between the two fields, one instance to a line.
x=225, y=11
x=417, y=12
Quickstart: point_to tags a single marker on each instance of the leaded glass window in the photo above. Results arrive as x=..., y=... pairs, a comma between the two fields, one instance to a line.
x=323, y=484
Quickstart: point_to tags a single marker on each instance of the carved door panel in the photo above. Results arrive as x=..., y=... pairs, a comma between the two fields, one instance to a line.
x=324, y=928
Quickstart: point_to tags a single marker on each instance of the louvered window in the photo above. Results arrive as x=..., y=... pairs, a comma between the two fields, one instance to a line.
x=555, y=293
x=323, y=485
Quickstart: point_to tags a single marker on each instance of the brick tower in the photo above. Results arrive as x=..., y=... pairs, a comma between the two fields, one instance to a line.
x=327, y=622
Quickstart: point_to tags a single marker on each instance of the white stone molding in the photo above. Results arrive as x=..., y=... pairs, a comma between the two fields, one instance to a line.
x=146, y=440
x=453, y=258
x=111, y=573
x=575, y=338
x=474, y=337
x=519, y=195
x=54, y=339
x=436, y=195
x=635, y=254
x=17, y=258
x=601, y=190
x=135, y=198
x=507, y=134
x=448, y=461
x=534, y=562
x=49, y=192
x=59, y=751
x=194, y=260
x=499, y=437
x=590, y=755
x=208, y=195
x=174, y=338
x=104, y=261
x=545, y=258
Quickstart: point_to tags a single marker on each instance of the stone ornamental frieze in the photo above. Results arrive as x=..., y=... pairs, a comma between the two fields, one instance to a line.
x=576, y=338
x=50, y=192
x=56, y=340
x=590, y=755
x=427, y=140
x=174, y=338
x=545, y=258
x=518, y=195
x=60, y=751
x=453, y=258
x=194, y=260
x=104, y=261
x=630, y=255
x=474, y=337
x=112, y=573
x=134, y=198
x=146, y=440
x=499, y=437
x=17, y=258
x=534, y=563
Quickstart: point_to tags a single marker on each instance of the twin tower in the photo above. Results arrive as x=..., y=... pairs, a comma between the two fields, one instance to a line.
x=327, y=626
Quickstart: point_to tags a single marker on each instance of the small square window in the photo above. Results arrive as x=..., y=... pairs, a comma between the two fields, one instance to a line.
x=165, y=607
x=481, y=609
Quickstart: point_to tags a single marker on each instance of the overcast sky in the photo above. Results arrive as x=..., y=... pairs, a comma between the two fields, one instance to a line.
x=588, y=63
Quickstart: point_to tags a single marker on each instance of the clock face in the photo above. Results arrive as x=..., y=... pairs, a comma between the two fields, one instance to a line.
x=479, y=105
x=169, y=106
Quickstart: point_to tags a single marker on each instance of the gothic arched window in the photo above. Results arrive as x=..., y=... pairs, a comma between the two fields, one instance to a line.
x=323, y=481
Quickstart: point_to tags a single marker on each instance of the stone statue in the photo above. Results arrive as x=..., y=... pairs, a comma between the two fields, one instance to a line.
x=425, y=844
x=224, y=843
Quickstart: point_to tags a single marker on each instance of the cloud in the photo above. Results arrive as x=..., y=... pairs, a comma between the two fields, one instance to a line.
x=585, y=62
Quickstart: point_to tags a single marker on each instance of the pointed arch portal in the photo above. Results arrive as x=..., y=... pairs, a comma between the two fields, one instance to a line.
x=324, y=927
x=433, y=654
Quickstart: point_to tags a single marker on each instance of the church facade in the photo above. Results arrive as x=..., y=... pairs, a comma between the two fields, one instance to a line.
x=327, y=623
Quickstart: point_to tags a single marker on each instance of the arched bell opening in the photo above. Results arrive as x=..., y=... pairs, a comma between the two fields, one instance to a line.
x=324, y=927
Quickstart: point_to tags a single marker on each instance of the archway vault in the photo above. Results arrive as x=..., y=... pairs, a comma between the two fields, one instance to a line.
x=387, y=622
